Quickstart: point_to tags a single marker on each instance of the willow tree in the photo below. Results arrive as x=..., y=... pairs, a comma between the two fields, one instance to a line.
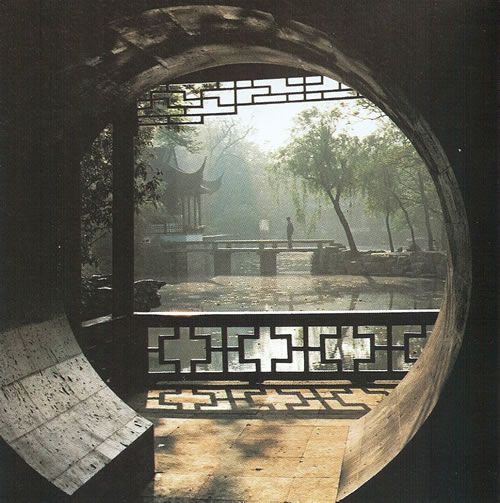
x=395, y=178
x=379, y=184
x=324, y=160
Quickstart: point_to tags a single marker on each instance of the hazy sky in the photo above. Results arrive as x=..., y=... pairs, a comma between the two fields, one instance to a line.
x=272, y=123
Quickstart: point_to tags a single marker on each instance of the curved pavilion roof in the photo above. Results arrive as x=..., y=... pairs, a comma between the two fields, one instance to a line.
x=180, y=182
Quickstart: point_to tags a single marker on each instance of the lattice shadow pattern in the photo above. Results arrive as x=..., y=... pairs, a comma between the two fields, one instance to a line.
x=329, y=400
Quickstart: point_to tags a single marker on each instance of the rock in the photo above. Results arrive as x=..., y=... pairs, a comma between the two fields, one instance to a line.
x=378, y=267
x=381, y=263
x=440, y=263
x=104, y=294
x=146, y=294
x=97, y=300
x=417, y=268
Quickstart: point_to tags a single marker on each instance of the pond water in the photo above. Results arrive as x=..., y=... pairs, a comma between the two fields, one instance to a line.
x=295, y=289
x=301, y=293
x=293, y=292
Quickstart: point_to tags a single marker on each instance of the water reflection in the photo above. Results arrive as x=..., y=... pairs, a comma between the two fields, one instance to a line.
x=301, y=293
x=297, y=290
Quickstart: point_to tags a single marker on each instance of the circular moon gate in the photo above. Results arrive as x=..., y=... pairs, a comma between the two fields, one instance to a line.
x=181, y=40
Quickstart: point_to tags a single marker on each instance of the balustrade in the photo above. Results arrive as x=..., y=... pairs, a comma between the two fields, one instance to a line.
x=257, y=346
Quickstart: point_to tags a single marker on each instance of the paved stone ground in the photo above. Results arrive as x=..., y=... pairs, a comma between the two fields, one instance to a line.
x=281, y=443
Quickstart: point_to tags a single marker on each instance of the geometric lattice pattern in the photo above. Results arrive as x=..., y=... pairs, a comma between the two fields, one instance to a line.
x=339, y=401
x=173, y=104
x=256, y=353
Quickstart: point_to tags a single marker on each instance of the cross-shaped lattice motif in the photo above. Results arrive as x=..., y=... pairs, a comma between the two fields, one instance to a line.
x=256, y=353
x=179, y=348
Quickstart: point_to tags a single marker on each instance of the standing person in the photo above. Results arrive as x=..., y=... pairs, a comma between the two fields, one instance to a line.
x=289, y=232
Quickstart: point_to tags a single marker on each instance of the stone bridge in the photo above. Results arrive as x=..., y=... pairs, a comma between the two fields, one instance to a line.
x=222, y=251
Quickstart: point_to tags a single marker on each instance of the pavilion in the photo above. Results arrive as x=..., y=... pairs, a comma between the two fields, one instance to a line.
x=182, y=197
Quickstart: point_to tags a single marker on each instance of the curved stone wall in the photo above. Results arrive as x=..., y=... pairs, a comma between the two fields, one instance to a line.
x=163, y=44
x=182, y=40
x=61, y=419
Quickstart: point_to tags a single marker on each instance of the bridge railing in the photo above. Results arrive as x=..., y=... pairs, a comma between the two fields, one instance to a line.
x=271, y=243
x=174, y=228
x=252, y=245
x=258, y=346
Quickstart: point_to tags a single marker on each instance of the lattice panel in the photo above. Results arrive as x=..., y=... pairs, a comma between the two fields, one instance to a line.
x=283, y=352
x=174, y=104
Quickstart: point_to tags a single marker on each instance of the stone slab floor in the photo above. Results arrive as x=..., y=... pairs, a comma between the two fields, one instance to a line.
x=240, y=443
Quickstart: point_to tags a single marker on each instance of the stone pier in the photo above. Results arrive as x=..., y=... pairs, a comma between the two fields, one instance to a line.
x=222, y=262
x=268, y=262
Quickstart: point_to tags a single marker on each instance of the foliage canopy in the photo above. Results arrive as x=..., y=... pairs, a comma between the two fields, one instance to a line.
x=325, y=160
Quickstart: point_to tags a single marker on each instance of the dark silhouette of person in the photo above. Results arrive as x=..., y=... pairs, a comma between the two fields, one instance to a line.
x=289, y=232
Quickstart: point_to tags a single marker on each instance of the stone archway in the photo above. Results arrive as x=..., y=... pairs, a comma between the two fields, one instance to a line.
x=208, y=37
x=163, y=44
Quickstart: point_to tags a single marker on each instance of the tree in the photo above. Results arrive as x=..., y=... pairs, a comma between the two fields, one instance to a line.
x=171, y=137
x=417, y=189
x=425, y=206
x=223, y=139
x=96, y=174
x=232, y=209
x=324, y=160
x=394, y=177
x=378, y=184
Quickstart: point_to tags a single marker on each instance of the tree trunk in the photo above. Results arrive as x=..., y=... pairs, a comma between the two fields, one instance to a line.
x=425, y=204
x=389, y=232
x=408, y=221
x=344, y=222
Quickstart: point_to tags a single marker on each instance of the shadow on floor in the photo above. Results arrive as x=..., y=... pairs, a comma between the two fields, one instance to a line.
x=342, y=401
